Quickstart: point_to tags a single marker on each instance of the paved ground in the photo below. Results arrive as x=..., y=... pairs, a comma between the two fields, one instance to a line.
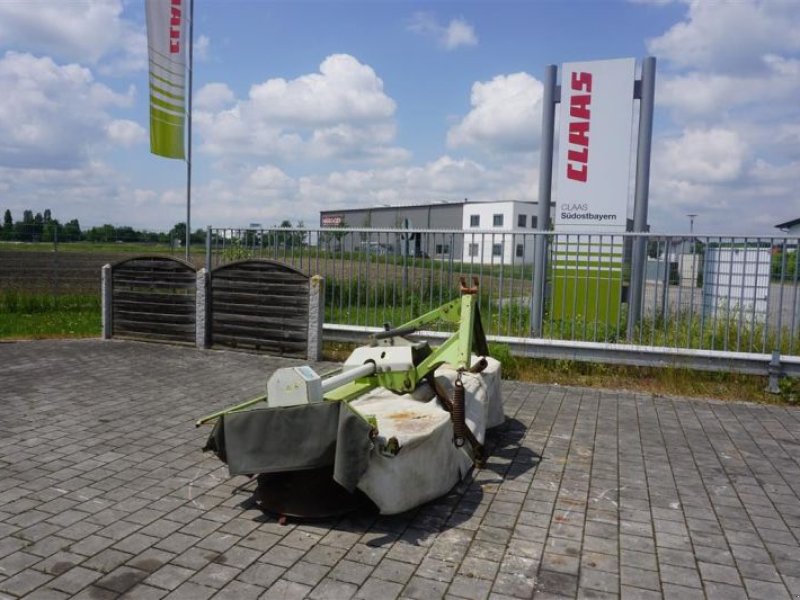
x=104, y=492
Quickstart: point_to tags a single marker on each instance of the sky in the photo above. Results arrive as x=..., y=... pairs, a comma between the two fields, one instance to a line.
x=305, y=106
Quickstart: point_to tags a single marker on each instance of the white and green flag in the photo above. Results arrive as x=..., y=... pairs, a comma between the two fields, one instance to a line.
x=167, y=50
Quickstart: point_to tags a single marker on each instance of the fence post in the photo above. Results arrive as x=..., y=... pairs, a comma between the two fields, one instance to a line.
x=201, y=309
x=316, y=316
x=208, y=248
x=106, y=299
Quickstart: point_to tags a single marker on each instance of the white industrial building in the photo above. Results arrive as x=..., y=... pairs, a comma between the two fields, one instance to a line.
x=498, y=222
x=493, y=232
x=790, y=227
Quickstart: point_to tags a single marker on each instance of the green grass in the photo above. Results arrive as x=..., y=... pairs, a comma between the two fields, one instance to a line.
x=36, y=316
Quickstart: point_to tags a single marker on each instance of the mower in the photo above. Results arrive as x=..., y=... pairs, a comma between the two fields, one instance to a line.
x=398, y=425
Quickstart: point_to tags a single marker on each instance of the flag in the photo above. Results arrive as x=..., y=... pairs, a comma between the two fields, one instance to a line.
x=167, y=50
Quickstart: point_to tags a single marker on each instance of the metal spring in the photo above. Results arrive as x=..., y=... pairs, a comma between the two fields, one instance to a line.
x=458, y=416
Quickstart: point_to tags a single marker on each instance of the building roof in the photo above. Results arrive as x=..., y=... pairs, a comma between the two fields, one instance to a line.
x=788, y=224
x=390, y=207
x=423, y=205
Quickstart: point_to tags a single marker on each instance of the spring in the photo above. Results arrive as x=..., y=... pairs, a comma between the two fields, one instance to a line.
x=458, y=416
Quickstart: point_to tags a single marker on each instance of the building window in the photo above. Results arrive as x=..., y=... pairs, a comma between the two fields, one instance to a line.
x=474, y=220
x=497, y=220
x=520, y=250
x=442, y=248
x=522, y=220
x=534, y=221
x=473, y=249
x=497, y=249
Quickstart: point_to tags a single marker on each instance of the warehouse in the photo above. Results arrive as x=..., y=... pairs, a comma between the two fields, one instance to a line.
x=493, y=223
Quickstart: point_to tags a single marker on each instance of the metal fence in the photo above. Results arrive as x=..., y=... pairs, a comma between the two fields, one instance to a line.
x=717, y=302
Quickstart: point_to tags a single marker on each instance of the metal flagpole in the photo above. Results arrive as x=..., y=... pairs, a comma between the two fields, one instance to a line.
x=190, y=41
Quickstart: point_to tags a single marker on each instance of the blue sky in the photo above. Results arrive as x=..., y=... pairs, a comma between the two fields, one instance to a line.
x=303, y=106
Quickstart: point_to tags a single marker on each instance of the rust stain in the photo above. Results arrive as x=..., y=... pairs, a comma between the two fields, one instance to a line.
x=407, y=414
x=408, y=421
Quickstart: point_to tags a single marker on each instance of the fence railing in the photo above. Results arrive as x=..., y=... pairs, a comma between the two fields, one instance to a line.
x=728, y=300
x=722, y=302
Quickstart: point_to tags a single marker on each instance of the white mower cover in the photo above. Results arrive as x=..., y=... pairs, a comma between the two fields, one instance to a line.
x=427, y=464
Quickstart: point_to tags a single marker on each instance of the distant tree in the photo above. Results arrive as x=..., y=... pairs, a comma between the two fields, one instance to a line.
x=199, y=236
x=47, y=216
x=72, y=231
x=38, y=227
x=126, y=234
x=784, y=265
x=178, y=233
x=8, y=226
x=299, y=238
x=278, y=237
x=24, y=230
x=52, y=231
x=105, y=233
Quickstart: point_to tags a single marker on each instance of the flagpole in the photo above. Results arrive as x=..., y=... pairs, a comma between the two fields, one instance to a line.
x=190, y=40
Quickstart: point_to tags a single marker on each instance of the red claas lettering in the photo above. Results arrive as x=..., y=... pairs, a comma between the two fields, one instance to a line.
x=579, y=118
x=175, y=27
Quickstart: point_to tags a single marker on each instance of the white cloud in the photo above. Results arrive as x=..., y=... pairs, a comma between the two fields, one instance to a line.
x=730, y=37
x=213, y=96
x=455, y=34
x=93, y=192
x=85, y=31
x=343, y=90
x=201, y=47
x=339, y=112
x=703, y=95
x=267, y=194
x=269, y=178
x=505, y=115
x=710, y=172
x=730, y=78
x=459, y=33
x=703, y=156
x=52, y=115
x=126, y=133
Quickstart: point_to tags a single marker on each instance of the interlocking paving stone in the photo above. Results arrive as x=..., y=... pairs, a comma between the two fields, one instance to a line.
x=766, y=590
x=24, y=582
x=721, y=591
x=588, y=493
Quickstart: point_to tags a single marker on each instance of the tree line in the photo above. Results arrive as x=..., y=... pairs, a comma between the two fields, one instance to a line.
x=43, y=227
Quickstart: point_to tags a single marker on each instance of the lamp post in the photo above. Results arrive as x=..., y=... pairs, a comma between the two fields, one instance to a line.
x=691, y=222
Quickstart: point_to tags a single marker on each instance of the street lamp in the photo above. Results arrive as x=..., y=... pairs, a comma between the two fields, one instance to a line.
x=691, y=222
